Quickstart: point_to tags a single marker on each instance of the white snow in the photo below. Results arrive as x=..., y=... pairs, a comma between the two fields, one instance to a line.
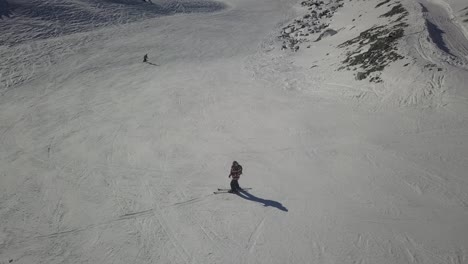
x=105, y=159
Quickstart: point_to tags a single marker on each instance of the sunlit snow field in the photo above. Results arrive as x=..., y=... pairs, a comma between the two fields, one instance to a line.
x=106, y=159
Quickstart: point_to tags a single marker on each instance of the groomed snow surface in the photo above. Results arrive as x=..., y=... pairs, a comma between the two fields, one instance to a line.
x=105, y=159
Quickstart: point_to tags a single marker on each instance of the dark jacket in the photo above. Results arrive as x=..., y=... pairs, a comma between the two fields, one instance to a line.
x=236, y=171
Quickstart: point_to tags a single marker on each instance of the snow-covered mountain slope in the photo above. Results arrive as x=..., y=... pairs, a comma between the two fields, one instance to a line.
x=458, y=9
x=25, y=20
x=105, y=159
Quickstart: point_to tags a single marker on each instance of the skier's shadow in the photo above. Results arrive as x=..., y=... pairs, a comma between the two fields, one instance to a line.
x=154, y=64
x=248, y=196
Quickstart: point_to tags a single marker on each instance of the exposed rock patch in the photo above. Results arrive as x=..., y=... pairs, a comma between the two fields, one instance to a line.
x=376, y=48
x=306, y=28
x=382, y=3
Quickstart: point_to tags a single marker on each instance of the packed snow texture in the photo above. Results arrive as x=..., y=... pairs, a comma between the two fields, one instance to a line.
x=39, y=19
x=106, y=159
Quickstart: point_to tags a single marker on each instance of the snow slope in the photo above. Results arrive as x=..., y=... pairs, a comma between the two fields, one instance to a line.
x=104, y=159
x=445, y=32
x=458, y=10
x=25, y=20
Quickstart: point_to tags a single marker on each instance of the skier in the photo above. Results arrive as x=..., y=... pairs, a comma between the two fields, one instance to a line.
x=145, y=58
x=236, y=171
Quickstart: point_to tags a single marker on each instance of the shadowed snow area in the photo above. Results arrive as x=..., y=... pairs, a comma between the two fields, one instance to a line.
x=4, y=9
x=39, y=19
x=436, y=35
x=446, y=32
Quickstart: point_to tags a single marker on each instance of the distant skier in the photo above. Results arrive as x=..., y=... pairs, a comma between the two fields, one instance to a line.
x=236, y=171
x=145, y=58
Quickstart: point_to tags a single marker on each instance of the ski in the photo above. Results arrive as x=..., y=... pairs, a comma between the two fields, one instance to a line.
x=223, y=189
x=218, y=192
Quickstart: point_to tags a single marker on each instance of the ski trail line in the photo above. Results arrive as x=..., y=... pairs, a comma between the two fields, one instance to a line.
x=253, y=238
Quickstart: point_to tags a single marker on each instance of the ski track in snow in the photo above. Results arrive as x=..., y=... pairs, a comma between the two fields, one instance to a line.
x=253, y=238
